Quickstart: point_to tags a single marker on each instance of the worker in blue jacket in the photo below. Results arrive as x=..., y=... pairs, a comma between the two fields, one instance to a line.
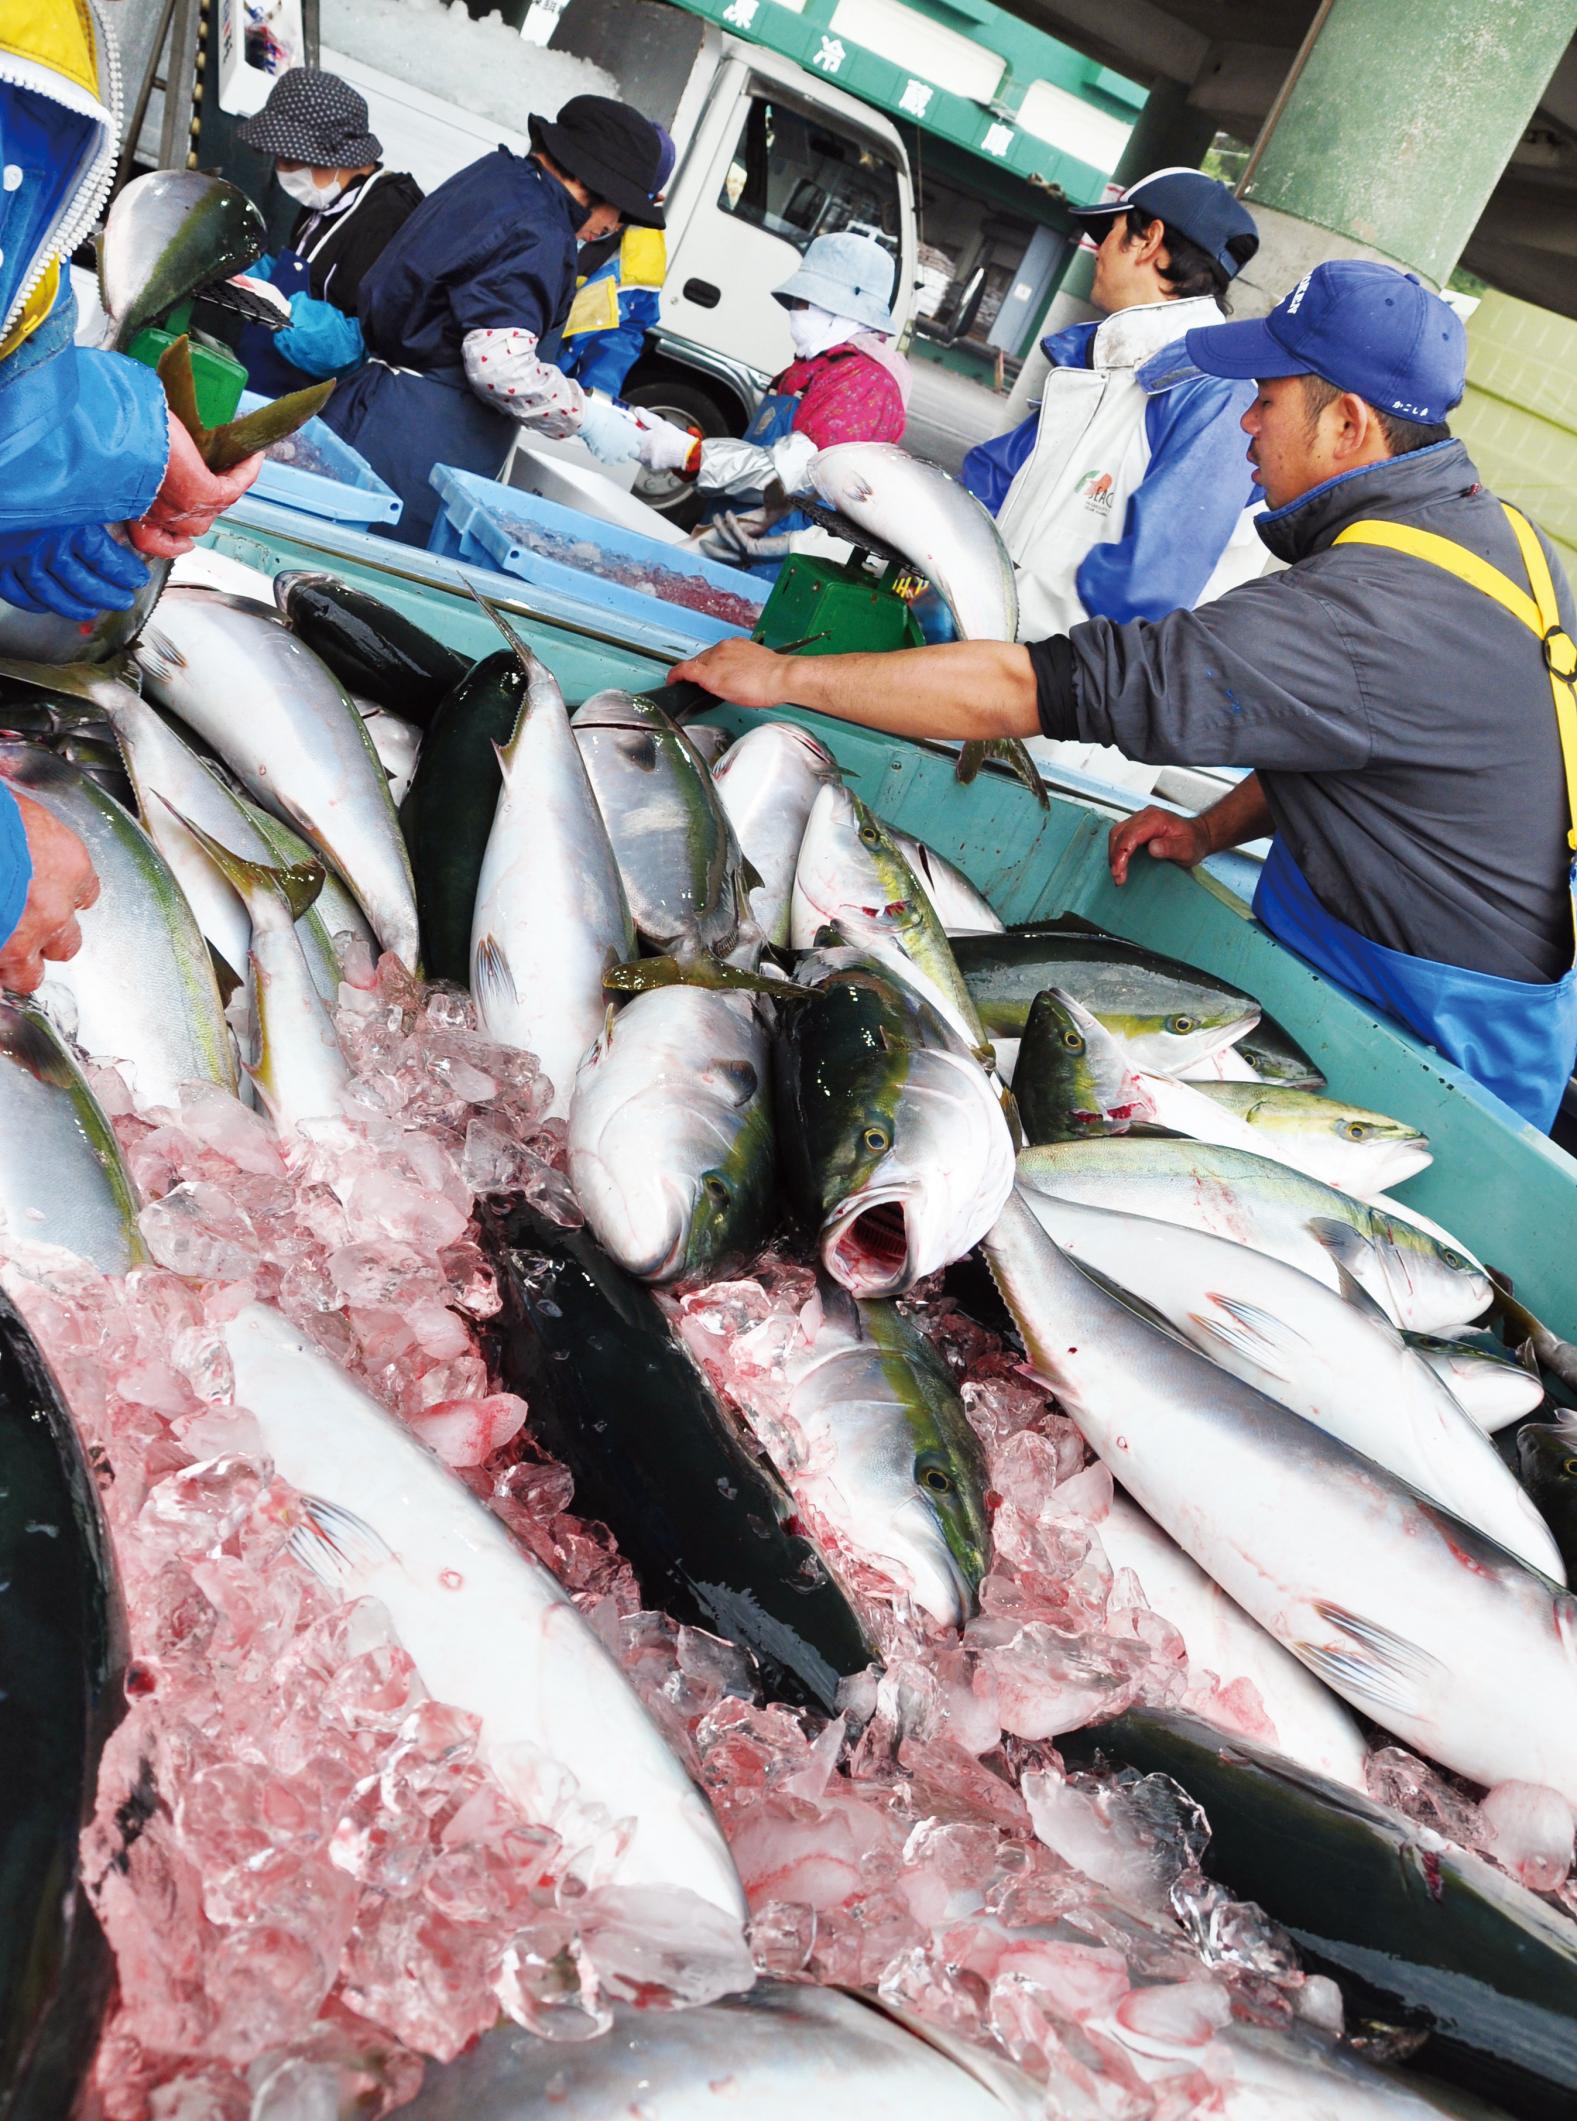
x=1125, y=494
x=86, y=438
x=463, y=314
x=617, y=302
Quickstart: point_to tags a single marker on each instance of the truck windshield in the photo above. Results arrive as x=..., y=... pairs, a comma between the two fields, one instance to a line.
x=794, y=176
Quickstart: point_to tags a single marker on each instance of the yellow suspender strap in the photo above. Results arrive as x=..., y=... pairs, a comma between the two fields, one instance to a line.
x=1540, y=612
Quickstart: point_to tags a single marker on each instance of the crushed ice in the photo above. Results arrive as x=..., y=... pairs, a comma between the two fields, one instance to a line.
x=310, y=1881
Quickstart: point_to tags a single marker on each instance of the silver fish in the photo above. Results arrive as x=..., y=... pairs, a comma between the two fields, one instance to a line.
x=670, y=1132
x=891, y=1461
x=62, y=1179
x=1482, y=1375
x=768, y=782
x=398, y=745
x=960, y=907
x=1360, y=1151
x=297, y=1063
x=850, y=876
x=1416, y=1280
x=779, y=2054
x=934, y=521
x=1312, y=1726
x=1338, y=1363
x=677, y=855
x=141, y=990
x=292, y=737
x=167, y=234
x=486, y=1625
x=550, y=916
x=1411, y=1616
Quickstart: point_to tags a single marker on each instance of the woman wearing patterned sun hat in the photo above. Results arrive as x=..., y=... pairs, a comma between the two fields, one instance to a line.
x=314, y=126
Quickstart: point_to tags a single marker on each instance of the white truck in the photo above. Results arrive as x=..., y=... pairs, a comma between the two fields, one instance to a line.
x=769, y=155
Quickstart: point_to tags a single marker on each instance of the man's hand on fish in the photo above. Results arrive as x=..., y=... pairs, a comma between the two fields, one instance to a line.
x=191, y=498
x=960, y=690
x=63, y=884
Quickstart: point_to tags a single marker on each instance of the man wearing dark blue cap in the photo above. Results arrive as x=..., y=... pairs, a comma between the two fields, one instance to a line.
x=1404, y=688
x=1124, y=495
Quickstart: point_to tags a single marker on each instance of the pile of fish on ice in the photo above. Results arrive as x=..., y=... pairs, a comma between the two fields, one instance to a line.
x=673, y=1643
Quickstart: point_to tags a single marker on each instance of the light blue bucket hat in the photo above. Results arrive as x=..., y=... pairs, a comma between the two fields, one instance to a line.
x=847, y=275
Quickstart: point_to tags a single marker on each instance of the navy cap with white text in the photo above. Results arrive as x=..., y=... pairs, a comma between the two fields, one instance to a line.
x=1368, y=328
x=1196, y=206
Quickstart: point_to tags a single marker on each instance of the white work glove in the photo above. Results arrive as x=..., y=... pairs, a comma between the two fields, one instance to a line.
x=729, y=466
x=609, y=431
x=504, y=370
x=661, y=446
x=740, y=540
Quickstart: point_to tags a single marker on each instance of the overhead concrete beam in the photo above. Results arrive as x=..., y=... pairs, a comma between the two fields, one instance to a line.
x=1237, y=83
x=1138, y=37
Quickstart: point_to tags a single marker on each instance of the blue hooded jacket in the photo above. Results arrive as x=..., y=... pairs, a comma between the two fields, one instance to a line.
x=83, y=434
x=1197, y=467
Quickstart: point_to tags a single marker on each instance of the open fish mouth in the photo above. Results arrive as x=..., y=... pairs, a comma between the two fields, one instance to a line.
x=867, y=1244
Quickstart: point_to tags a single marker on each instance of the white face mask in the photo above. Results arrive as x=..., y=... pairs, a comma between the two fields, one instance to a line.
x=816, y=331
x=302, y=186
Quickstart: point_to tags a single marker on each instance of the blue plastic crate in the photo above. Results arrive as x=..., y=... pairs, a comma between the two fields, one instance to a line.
x=350, y=491
x=559, y=548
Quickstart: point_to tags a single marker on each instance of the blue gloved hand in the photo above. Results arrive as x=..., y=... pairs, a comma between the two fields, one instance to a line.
x=76, y=573
x=738, y=540
x=320, y=340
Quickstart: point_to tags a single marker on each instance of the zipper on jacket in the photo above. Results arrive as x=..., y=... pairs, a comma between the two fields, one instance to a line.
x=82, y=208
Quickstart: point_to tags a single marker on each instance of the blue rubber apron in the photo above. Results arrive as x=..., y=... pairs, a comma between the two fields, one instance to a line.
x=1516, y=1037
x=267, y=370
x=404, y=422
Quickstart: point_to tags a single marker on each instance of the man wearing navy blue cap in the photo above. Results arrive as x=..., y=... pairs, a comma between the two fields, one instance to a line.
x=1124, y=495
x=1404, y=688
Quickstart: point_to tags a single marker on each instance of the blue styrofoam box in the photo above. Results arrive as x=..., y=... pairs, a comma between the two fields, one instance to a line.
x=350, y=491
x=501, y=524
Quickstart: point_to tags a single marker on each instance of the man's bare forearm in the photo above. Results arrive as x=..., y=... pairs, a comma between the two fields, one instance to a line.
x=1242, y=815
x=960, y=689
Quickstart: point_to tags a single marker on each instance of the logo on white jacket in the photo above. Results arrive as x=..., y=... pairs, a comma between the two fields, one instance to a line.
x=1097, y=490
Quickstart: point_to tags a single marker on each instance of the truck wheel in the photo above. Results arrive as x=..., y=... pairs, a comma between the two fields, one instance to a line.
x=686, y=406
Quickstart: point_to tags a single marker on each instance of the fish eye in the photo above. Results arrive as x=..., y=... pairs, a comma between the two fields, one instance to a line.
x=870, y=836
x=716, y=1189
x=933, y=1478
x=1073, y=1040
x=1453, y=1260
x=875, y=1137
x=1180, y=1026
x=1569, y=1468
x=1356, y=1130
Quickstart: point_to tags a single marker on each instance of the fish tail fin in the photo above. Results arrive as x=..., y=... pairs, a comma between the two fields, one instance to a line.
x=1008, y=751
x=540, y=681
x=94, y=682
x=31, y=1040
x=297, y=883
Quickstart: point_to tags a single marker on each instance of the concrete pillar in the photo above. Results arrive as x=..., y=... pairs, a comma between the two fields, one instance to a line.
x=1390, y=133
x=1168, y=135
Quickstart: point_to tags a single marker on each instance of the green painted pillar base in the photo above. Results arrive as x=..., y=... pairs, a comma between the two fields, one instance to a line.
x=1395, y=130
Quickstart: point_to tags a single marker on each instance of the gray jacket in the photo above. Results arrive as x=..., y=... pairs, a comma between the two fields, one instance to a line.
x=1401, y=721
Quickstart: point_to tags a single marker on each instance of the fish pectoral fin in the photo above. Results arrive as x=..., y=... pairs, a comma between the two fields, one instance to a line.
x=1381, y=1667
x=336, y=1544
x=1347, y=1246
x=492, y=982
x=1250, y=1330
x=1358, y=1296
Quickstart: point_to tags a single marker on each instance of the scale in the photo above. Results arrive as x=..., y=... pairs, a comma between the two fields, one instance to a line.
x=831, y=607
